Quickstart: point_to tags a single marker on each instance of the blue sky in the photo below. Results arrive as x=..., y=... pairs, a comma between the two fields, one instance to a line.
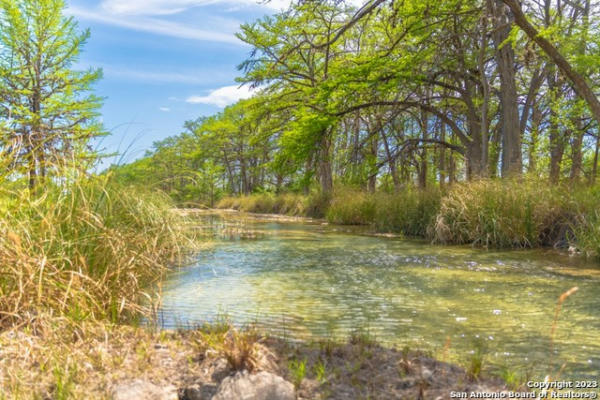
x=164, y=62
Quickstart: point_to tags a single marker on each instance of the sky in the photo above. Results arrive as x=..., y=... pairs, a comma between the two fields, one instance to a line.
x=164, y=62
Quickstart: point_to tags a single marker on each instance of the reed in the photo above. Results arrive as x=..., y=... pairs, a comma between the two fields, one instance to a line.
x=524, y=213
x=411, y=212
x=312, y=205
x=87, y=249
x=351, y=207
x=507, y=214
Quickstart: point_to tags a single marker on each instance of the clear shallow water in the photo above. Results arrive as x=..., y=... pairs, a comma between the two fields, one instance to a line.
x=309, y=282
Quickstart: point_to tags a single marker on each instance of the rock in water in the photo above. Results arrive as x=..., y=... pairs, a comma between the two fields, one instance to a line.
x=262, y=386
x=143, y=390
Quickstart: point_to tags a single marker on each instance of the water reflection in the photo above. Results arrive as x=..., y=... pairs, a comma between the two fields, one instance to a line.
x=309, y=281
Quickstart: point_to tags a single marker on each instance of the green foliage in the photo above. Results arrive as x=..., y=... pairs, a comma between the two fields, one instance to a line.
x=49, y=114
x=297, y=371
x=476, y=361
x=513, y=379
x=410, y=212
x=586, y=228
x=320, y=370
x=313, y=205
x=400, y=94
x=493, y=213
x=64, y=381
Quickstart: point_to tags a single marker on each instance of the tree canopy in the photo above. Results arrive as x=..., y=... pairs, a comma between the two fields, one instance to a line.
x=48, y=114
x=400, y=92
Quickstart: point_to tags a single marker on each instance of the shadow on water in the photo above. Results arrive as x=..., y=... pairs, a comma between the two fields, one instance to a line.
x=311, y=281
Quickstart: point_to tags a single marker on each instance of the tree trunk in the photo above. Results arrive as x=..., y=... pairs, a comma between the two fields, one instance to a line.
x=557, y=145
x=391, y=162
x=485, y=86
x=536, y=120
x=595, y=165
x=505, y=62
x=442, y=161
x=423, y=164
x=451, y=169
x=325, y=165
x=577, y=152
x=580, y=85
x=495, y=152
x=372, y=184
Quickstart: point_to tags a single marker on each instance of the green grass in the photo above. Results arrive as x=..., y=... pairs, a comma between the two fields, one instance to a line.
x=84, y=250
x=297, y=371
x=351, y=207
x=411, y=212
x=313, y=205
x=586, y=229
x=524, y=213
x=511, y=214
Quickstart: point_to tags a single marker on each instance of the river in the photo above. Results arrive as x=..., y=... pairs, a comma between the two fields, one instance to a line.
x=310, y=281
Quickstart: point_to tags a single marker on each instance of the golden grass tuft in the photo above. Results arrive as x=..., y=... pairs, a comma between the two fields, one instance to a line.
x=508, y=214
x=85, y=250
x=313, y=205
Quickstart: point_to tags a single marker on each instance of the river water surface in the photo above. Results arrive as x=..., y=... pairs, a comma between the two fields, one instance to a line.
x=313, y=281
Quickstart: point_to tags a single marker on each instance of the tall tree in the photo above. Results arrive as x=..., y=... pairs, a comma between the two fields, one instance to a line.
x=52, y=112
x=505, y=63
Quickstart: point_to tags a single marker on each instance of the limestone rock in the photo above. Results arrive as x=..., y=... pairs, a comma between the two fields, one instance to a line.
x=220, y=369
x=143, y=390
x=198, y=392
x=262, y=386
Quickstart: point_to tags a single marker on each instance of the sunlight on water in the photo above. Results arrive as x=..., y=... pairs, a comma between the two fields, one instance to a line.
x=307, y=281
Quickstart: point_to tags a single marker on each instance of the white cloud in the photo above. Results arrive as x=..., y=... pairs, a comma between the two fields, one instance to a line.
x=165, y=7
x=164, y=109
x=156, y=26
x=223, y=96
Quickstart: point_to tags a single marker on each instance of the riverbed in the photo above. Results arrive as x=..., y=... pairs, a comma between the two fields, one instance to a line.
x=312, y=281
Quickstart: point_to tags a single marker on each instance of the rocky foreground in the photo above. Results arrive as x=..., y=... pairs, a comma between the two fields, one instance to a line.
x=125, y=363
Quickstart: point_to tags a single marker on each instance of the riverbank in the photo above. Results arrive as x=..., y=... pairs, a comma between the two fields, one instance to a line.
x=77, y=261
x=488, y=213
x=107, y=361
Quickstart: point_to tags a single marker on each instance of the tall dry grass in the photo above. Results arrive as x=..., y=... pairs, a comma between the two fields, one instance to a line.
x=351, y=207
x=522, y=213
x=410, y=212
x=88, y=249
x=313, y=205
x=507, y=214
x=585, y=207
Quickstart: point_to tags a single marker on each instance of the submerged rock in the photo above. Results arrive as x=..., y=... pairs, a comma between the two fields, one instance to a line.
x=262, y=386
x=143, y=390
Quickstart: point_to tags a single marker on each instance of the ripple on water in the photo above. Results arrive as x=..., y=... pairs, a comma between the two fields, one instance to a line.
x=306, y=282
